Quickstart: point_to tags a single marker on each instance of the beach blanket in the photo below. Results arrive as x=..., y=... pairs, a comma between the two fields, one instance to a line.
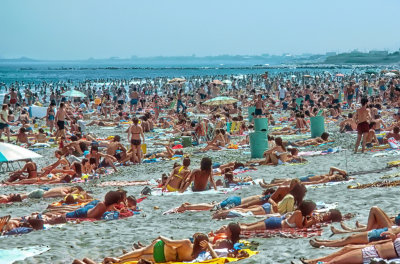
x=9, y=256
x=285, y=233
x=211, y=261
x=375, y=184
x=124, y=183
x=317, y=153
x=220, y=190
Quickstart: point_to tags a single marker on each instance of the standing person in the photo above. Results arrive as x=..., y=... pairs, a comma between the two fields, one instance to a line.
x=282, y=93
x=60, y=121
x=134, y=96
x=259, y=106
x=13, y=98
x=362, y=118
x=350, y=94
x=135, y=133
x=50, y=116
x=156, y=100
x=4, y=124
x=180, y=103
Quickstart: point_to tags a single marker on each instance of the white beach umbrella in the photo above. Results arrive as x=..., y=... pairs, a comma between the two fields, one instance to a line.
x=11, y=152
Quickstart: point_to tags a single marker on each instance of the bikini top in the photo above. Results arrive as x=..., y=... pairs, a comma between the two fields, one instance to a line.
x=179, y=171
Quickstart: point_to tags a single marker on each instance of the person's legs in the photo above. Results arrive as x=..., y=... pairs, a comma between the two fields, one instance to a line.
x=253, y=226
x=361, y=238
x=364, y=141
x=378, y=219
x=341, y=252
x=357, y=142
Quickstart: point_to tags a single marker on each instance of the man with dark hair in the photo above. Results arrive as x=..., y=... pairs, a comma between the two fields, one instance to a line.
x=362, y=118
x=201, y=177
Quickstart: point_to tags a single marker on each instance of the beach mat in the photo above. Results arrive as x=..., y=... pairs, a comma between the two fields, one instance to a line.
x=285, y=233
x=9, y=256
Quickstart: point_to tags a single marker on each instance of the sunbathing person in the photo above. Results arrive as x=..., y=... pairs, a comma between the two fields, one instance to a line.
x=169, y=153
x=359, y=254
x=96, y=209
x=301, y=218
x=230, y=180
x=177, y=178
x=274, y=156
x=395, y=134
x=362, y=238
x=286, y=205
x=217, y=143
x=377, y=219
x=17, y=226
x=334, y=175
x=163, y=250
x=348, y=125
x=30, y=168
x=313, y=141
x=202, y=178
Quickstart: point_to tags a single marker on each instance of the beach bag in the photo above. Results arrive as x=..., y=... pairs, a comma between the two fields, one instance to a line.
x=111, y=215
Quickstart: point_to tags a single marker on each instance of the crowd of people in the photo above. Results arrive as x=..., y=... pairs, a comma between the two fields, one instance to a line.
x=179, y=107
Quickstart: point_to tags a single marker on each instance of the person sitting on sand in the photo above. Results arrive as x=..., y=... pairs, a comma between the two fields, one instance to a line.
x=371, y=137
x=274, y=156
x=334, y=175
x=294, y=157
x=395, y=134
x=359, y=254
x=301, y=218
x=163, y=250
x=41, y=136
x=107, y=161
x=348, y=125
x=22, y=137
x=217, y=143
x=313, y=141
x=116, y=149
x=177, y=178
x=201, y=178
x=30, y=168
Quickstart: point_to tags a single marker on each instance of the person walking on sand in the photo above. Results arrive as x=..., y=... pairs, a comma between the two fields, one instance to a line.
x=362, y=118
x=60, y=121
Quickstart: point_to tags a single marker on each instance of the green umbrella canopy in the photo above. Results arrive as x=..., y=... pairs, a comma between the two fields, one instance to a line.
x=371, y=72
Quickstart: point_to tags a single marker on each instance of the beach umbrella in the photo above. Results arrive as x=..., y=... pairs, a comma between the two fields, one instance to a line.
x=390, y=74
x=176, y=80
x=293, y=76
x=227, y=81
x=217, y=82
x=220, y=100
x=73, y=93
x=307, y=76
x=10, y=152
x=371, y=72
x=340, y=75
x=395, y=71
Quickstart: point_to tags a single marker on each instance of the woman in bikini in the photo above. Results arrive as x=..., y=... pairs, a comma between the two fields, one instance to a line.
x=178, y=176
x=276, y=155
x=163, y=250
x=135, y=133
x=30, y=168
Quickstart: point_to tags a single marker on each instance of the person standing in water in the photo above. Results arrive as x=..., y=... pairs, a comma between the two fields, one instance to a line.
x=362, y=118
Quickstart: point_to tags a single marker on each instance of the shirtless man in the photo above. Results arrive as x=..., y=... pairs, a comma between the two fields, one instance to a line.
x=135, y=134
x=395, y=134
x=200, y=177
x=116, y=149
x=60, y=121
x=134, y=96
x=362, y=118
x=13, y=98
x=108, y=160
x=259, y=106
x=177, y=177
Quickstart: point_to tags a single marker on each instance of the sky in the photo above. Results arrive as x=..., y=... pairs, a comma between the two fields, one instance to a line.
x=82, y=29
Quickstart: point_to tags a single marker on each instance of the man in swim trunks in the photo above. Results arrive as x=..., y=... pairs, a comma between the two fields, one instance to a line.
x=133, y=96
x=201, y=178
x=362, y=118
x=177, y=177
x=60, y=121
x=259, y=106
x=116, y=149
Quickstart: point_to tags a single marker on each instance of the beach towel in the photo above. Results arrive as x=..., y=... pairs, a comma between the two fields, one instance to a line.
x=285, y=233
x=124, y=183
x=9, y=256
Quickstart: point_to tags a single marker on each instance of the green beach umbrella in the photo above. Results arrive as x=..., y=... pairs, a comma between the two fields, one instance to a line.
x=371, y=72
x=220, y=100
x=73, y=93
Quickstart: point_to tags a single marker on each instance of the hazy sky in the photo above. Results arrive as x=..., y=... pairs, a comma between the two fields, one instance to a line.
x=79, y=29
